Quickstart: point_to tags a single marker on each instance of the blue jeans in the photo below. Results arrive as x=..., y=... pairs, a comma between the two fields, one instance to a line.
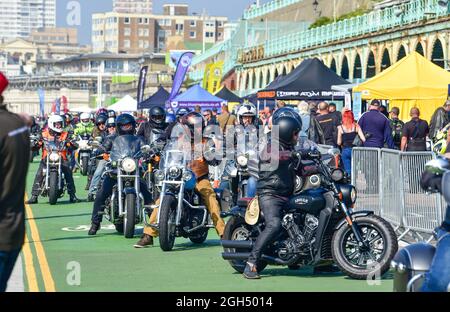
x=438, y=279
x=97, y=177
x=7, y=261
x=347, y=159
x=251, y=187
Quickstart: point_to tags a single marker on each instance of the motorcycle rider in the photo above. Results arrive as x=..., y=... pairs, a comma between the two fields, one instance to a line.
x=275, y=186
x=438, y=278
x=125, y=125
x=246, y=117
x=84, y=127
x=157, y=121
x=105, y=147
x=54, y=132
x=200, y=167
x=98, y=132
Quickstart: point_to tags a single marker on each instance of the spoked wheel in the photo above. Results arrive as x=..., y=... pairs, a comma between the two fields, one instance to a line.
x=371, y=259
x=237, y=229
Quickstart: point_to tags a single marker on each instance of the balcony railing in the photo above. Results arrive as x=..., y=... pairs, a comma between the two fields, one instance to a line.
x=372, y=22
x=268, y=7
x=375, y=21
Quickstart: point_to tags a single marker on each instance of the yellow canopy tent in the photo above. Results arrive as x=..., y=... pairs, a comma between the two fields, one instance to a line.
x=414, y=81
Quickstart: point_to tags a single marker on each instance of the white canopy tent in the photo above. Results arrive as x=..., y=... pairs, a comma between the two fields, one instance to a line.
x=126, y=104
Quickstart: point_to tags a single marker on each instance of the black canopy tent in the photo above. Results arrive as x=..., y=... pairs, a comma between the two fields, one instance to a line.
x=312, y=80
x=229, y=96
x=158, y=99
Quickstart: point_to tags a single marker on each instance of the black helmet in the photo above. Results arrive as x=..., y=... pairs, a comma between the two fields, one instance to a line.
x=288, y=126
x=194, y=121
x=286, y=112
x=111, y=122
x=101, y=119
x=125, y=124
x=111, y=114
x=182, y=111
x=68, y=117
x=157, y=115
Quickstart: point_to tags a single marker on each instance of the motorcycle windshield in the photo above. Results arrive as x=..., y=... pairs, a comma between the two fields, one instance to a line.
x=174, y=155
x=52, y=146
x=125, y=146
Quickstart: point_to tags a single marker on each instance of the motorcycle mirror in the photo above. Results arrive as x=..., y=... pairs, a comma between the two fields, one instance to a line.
x=334, y=151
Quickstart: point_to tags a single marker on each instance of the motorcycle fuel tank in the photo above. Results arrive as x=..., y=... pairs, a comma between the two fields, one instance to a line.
x=310, y=201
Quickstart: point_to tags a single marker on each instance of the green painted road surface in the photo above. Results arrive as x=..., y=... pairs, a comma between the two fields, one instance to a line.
x=74, y=261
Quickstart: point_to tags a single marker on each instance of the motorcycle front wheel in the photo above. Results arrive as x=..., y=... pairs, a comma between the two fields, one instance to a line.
x=237, y=229
x=129, y=221
x=53, y=192
x=361, y=262
x=84, y=166
x=167, y=226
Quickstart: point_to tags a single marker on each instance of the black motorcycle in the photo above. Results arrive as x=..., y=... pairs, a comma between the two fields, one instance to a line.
x=319, y=225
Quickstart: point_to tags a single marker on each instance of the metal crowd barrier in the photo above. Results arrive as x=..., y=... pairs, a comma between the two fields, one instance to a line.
x=388, y=182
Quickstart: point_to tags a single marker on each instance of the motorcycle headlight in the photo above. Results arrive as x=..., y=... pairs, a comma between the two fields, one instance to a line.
x=54, y=157
x=174, y=172
x=337, y=175
x=159, y=175
x=353, y=195
x=128, y=165
x=187, y=176
x=242, y=161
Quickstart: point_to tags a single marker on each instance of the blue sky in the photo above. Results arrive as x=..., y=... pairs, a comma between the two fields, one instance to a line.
x=231, y=8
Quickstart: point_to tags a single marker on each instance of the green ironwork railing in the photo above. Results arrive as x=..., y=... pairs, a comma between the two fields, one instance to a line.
x=268, y=7
x=375, y=21
x=379, y=20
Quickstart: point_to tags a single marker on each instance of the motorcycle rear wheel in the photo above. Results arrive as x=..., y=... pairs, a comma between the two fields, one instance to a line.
x=372, y=263
x=236, y=229
x=167, y=225
x=200, y=237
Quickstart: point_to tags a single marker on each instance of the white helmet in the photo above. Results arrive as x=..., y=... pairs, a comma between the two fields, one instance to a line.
x=247, y=109
x=56, y=123
x=85, y=116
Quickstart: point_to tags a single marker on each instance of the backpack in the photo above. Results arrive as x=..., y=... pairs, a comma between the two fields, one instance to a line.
x=397, y=130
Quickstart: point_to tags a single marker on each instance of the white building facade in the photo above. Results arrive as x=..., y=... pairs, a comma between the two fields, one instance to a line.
x=19, y=18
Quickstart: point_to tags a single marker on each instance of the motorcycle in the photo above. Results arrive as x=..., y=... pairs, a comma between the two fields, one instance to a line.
x=83, y=154
x=34, y=139
x=181, y=211
x=319, y=225
x=439, y=143
x=412, y=263
x=157, y=144
x=125, y=208
x=53, y=184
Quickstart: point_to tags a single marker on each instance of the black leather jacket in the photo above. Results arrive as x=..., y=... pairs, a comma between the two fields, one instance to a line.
x=277, y=178
x=145, y=129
